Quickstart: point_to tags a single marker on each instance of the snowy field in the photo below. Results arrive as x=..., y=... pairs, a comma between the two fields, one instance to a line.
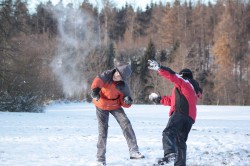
x=66, y=135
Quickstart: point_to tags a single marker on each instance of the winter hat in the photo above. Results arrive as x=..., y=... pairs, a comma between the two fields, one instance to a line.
x=125, y=71
x=186, y=73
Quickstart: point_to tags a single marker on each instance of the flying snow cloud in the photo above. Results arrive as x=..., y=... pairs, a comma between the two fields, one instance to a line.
x=78, y=35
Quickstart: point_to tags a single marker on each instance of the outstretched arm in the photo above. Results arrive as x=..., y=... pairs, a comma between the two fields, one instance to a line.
x=156, y=99
x=166, y=72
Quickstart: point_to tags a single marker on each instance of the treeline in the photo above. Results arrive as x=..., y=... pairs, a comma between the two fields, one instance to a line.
x=55, y=52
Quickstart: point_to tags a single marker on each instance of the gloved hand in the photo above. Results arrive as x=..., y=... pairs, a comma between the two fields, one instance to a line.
x=153, y=65
x=128, y=100
x=95, y=94
x=155, y=98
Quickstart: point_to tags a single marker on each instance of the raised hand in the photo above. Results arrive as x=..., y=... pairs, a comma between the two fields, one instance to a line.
x=153, y=65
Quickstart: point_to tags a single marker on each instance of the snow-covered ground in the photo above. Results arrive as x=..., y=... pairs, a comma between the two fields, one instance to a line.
x=66, y=135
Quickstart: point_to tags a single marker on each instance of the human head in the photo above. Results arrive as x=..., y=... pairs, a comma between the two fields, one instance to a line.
x=186, y=73
x=124, y=71
x=117, y=76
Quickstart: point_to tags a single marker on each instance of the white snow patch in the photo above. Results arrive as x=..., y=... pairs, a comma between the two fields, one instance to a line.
x=66, y=134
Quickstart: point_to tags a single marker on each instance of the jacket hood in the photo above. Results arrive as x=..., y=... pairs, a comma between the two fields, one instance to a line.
x=125, y=71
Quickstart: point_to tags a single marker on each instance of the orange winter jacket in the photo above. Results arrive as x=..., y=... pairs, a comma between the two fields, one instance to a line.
x=112, y=93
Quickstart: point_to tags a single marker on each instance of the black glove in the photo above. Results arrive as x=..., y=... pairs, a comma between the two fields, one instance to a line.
x=95, y=94
x=155, y=98
x=128, y=100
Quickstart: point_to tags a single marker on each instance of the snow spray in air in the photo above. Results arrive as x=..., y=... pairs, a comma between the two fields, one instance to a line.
x=77, y=36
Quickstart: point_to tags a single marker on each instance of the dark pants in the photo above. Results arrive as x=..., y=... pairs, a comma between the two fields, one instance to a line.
x=175, y=136
x=123, y=121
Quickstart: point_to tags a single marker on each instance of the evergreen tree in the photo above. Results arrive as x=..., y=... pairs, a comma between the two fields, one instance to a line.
x=145, y=77
x=6, y=33
x=21, y=16
x=142, y=22
x=118, y=28
x=110, y=56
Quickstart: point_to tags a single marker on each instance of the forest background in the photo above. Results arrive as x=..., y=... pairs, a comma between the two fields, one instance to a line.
x=55, y=52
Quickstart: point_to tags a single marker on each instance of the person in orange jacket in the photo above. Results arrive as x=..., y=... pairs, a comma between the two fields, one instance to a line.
x=110, y=92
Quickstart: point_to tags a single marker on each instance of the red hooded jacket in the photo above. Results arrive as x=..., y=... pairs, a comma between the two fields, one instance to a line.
x=183, y=98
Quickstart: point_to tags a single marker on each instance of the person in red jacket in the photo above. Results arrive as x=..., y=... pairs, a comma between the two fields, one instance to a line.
x=182, y=112
x=110, y=92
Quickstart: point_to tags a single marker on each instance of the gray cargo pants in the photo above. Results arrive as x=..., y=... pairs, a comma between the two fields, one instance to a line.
x=123, y=121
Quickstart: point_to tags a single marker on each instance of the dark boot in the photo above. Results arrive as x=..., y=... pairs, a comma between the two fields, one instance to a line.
x=169, y=158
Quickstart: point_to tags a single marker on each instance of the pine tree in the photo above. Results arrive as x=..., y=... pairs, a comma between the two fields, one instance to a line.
x=145, y=77
x=118, y=27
